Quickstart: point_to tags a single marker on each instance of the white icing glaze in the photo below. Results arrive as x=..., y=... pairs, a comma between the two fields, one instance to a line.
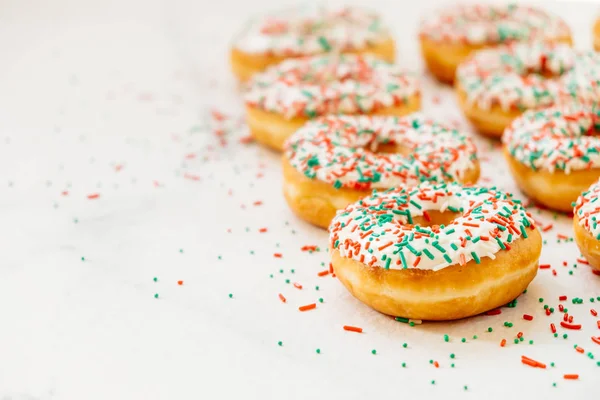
x=340, y=150
x=478, y=24
x=560, y=138
x=511, y=76
x=330, y=84
x=374, y=230
x=312, y=29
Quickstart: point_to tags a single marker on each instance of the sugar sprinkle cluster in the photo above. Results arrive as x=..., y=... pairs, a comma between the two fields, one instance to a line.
x=560, y=138
x=379, y=231
x=331, y=84
x=587, y=209
x=342, y=151
x=312, y=29
x=520, y=76
x=478, y=24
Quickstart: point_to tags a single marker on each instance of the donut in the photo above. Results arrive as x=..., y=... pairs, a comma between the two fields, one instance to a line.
x=554, y=153
x=449, y=35
x=334, y=161
x=284, y=97
x=308, y=31
x=435, y=251
x=494, y=86
x=586, y=224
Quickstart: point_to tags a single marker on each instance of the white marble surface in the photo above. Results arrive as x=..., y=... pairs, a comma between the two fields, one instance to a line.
x=112, y=98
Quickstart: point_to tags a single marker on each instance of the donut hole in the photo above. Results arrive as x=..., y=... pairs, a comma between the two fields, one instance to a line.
x=435, y=219
x=389, y=148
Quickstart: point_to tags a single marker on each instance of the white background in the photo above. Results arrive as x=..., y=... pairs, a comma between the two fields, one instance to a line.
x=112, y=97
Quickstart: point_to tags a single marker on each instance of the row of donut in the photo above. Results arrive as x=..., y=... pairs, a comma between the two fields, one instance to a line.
x=429, y=249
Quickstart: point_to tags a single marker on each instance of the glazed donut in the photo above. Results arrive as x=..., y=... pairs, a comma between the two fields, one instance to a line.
x=586, y=224
x=334, y=161
x=281, y=99
x=308, y=31
x=435, y=252
x=554, y=153
x=448, y=36
x=497, y=85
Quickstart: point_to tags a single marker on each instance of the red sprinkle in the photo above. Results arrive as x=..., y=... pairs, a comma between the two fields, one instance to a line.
x=323, y=273
x=570, y=326
x=527, y=317
x=494, y=312
x=282, y=298
x=307, y=307
x=180, y=283
x=596, y=339
x=297, y=285
x=262, y=230
x=191, y=177
x=544, y=266
x=532, y=363
x=562, y=298
x=571, y=376
x=308, y=248
x=503, y=342
x=352, y=328
x=594, y=312
x=553, y=328
x=583, y=261
x=579, y=349
x=277, y=255
x=93, y=196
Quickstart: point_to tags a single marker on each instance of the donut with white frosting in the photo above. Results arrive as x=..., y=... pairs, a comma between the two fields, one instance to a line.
x=281, y=99
x=332, y=161
x=586, y=224
x=554, y=153
x=435, y=251
x=449, y=35
x=308, y=30
x=497, y=85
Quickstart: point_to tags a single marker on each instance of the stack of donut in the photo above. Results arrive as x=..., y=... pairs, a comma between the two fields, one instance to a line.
x=409, y=235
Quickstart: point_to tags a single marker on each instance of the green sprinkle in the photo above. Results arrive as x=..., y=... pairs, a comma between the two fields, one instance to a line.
x=156, y=295
x=155, y=279
x=324, y=43
x=373, y=351
x=280, y=343
x=452, y=355
x=318, y=351
x=490, y=329
x=405, y=345
x=231, y=295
